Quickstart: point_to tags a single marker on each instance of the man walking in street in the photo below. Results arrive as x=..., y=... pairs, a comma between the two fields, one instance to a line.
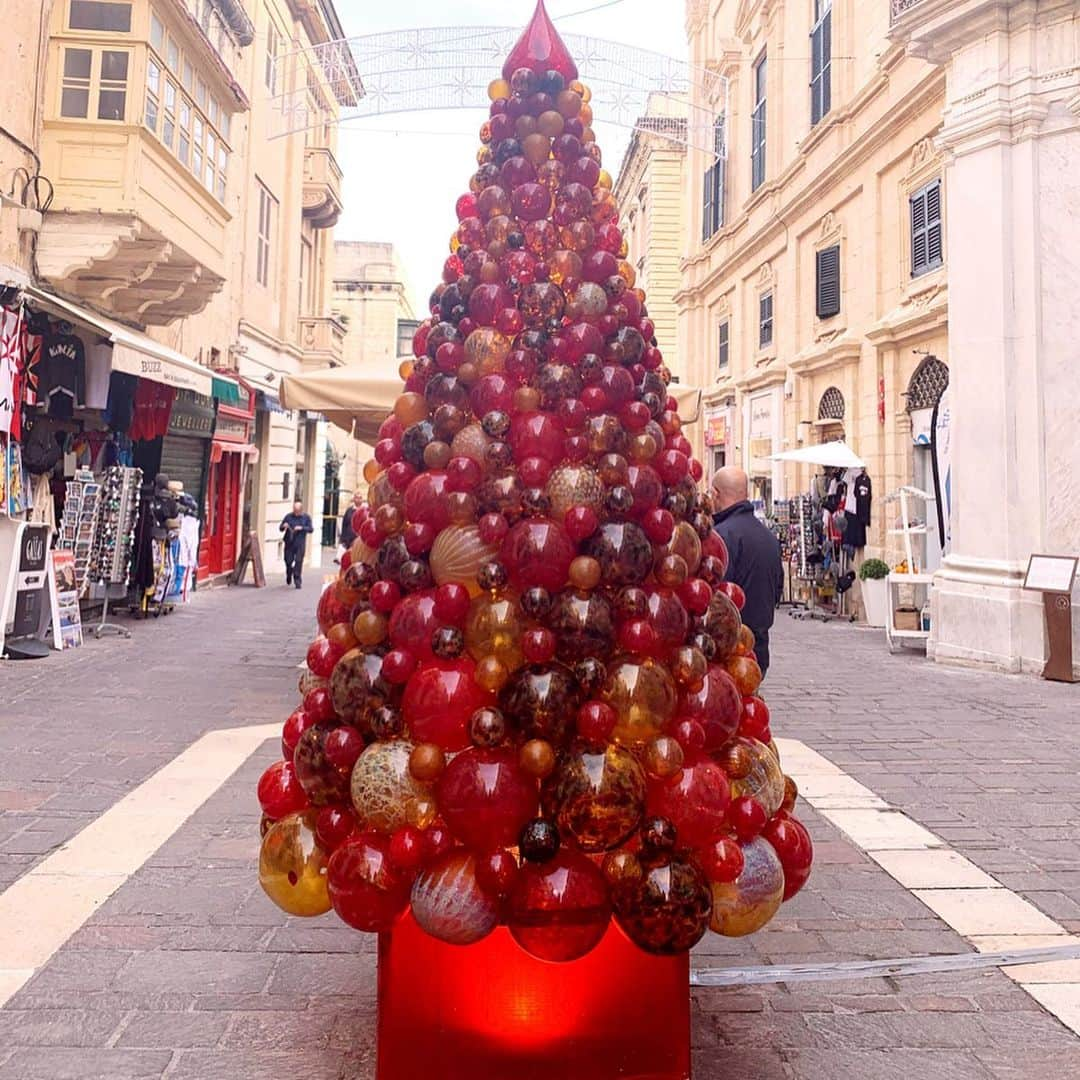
x=348, y=533
x=754, y=564
x=296, y=527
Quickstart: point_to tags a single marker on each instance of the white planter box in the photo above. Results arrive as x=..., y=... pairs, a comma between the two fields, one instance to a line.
x=875, y=595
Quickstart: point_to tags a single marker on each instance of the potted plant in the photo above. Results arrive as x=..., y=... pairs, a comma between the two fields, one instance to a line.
x=875, y=591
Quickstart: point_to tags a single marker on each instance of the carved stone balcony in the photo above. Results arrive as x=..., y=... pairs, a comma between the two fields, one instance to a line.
x=322, y=187
x=322, y=339
x=899, y=8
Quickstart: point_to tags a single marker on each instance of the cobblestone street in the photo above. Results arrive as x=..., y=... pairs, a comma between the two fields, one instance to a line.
x=188, y=971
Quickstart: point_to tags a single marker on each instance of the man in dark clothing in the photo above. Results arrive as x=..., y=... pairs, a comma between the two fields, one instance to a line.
x=296, y=527
x=754, y=552
x=348, y=533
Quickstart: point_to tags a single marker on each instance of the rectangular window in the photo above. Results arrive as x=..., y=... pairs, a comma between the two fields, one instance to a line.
x=157, y=32
x=189, y=76
x=211, y=161
x=926, y=229
x=168, y=126
x=273, y=46
x=200, y=93
x=183, y=145
x=153, y=94
x=712, y=215
x=198, y=131
x=757, y=125
x=173, y=54
x=406, y=329
x=724, y=339
x=112, y=95
x=821, y=61
x=765, y=317
x=75, y=91
x=266, y=225
x=828, y=282
x=98, y=15
x=223, y=169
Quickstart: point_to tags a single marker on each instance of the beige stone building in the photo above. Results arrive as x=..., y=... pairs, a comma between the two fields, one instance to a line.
x=190, y=149
x=814, y=293
x=371, y=301
x=652, y=211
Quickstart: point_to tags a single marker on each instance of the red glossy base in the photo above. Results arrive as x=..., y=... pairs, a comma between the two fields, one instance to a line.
x=491, y=1012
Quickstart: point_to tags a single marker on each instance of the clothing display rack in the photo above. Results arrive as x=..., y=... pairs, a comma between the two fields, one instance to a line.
x=817, y=554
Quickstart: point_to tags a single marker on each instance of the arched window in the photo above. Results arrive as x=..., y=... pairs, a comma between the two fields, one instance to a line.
x=832, y=405
x=927, y=384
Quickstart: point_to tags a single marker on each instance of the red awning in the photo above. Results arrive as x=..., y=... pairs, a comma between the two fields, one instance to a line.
x=219, y=449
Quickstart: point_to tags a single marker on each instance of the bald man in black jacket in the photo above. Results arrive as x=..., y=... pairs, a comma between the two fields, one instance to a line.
x=754, y=552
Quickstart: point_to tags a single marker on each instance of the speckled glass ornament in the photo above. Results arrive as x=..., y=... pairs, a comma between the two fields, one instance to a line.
x=384, y=791
x=583, y=625
x=574, y=485
x=560, y=909
x=667, y=910
x=642, y=694
x=623, y=551
x=448, y=904
x=358, y=688
x=749, y=902
x=457, y=555
x=765, y=779
x=686, y=543
x=596, y=797
x=723, y=622
x=540, y=702
x=471, y=442
x=292, y=867
x=320, y=777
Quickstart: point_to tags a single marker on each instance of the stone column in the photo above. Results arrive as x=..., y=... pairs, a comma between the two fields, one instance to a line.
x=1011, y=139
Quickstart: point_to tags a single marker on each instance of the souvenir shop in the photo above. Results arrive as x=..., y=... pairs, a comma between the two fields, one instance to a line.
x=823, y=531
x=107, y=440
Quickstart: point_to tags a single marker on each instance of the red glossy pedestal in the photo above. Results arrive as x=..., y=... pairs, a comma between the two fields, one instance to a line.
x=491, y=1012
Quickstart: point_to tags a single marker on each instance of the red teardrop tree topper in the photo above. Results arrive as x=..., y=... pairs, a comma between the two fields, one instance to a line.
x=541, y=49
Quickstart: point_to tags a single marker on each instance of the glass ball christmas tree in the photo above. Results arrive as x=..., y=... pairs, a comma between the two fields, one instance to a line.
x=532, y=702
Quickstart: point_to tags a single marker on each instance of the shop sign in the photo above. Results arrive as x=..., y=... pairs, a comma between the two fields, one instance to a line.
x=761, y=416
x=716, y=431
x=231, y=428
x=192, y=414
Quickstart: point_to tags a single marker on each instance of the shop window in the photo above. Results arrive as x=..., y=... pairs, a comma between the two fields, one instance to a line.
x=100, y=15
x=927, y=384
x=926, y=229
x=821, y=61
x=765, y=321
x=267, y=204
x=828, y=282
x=724, y=339
x=758, y=125
x=831, y=406
x=712, y=209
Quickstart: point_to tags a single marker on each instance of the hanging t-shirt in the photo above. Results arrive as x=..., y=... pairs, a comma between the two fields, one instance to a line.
x=153, y=407
x=62, y=374
x=98, y=366
x=10, y=339
x=120, y=409
x=864, y=492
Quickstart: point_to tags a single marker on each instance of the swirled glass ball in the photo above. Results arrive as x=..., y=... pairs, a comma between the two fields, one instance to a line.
x=384, y=791
x=749, y=902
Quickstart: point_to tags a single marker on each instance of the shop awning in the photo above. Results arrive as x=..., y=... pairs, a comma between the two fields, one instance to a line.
x=359, y=402
x=219, y=448
x=133, y=352
x=226, y=390
x=831, y=455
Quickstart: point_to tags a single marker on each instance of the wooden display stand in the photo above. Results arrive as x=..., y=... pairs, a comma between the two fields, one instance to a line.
x=1053, y=576
x=250, y=553
x=492, y=1012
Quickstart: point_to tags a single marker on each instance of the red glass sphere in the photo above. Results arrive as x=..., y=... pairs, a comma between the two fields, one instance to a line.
x=425, y=500
x=794, y=848
x=755, y=719
x=722, y=861
x=536, y=434
x=485, y=798
x=319, y=704
x=695, y=800
x=364, y=888
x=439, y=699
x=331, y=610
x=280, y=792
x=747, y=817
x=559, y=910
x=413, y=623
x=295, y=726
x=538, y=552
x=717, y=707
x=496, y=873
x=333, y=826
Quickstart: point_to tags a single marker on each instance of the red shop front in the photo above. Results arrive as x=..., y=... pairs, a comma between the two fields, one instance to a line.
x=231, y=452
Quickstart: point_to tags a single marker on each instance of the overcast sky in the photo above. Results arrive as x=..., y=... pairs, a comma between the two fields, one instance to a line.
x=403, y=173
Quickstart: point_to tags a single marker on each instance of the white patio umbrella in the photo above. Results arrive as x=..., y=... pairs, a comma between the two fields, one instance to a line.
x=832, y=455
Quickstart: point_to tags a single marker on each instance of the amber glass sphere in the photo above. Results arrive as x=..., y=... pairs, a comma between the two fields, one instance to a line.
x=292, y=867
x=642, y=694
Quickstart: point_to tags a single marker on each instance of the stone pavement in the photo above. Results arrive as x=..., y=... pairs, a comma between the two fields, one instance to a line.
x=189, y=972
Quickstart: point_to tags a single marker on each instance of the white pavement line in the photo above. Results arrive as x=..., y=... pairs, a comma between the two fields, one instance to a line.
x=43, y=908
x=972, y=902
